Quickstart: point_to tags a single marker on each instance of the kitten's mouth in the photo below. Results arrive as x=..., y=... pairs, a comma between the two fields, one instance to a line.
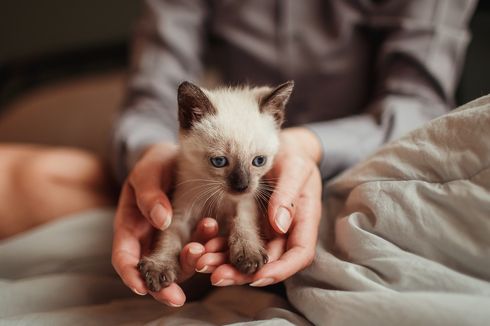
x=238, y=193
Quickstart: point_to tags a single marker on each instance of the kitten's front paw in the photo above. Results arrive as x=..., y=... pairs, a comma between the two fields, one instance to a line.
x=157, y=274
x=246, y=258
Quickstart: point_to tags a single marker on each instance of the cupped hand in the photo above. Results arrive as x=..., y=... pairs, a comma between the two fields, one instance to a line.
x=294, y=213
x=144, y=207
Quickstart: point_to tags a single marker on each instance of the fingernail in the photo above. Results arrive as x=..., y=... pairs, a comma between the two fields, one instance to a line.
x=167, y=222
x=204, y=270
x=171, y=304
x=138, y=293
x=160, y=217
x=262, y=282
x=195, y=250
x=224, y=282
x=209, y=225
x=283, y=219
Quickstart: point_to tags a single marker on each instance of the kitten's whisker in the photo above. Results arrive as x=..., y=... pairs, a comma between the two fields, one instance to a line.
x=209, y=196
x=266, y=193
x=214, y=202
x=220, y=199
x=270, y=184
x=209, y=206
x=198, y=187
x=271, y=181
x=263, y=200
x=270, y=178
x=279, y=191
x=258, y=196
x=198, y=198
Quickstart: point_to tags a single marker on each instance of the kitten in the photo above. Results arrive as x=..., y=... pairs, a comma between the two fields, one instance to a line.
x=228, y=140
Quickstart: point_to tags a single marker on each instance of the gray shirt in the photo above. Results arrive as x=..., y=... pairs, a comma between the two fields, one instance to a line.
x=365, y=71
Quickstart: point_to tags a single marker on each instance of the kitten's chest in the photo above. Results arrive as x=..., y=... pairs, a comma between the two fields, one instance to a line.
x=194, y=201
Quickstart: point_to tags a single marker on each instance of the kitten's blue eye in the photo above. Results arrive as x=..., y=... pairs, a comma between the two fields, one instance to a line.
x=219, y=161
x=259, y=160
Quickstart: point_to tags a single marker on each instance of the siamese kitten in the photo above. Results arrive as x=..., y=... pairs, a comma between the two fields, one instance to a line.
x=228, y=140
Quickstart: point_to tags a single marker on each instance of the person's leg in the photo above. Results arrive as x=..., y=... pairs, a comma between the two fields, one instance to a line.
x=39, y=184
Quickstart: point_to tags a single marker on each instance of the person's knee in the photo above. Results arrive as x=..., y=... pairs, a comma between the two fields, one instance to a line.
x=70, y=167
x=43, y=183
x=62, y=178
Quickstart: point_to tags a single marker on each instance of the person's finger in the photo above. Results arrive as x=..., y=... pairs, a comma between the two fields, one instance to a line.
x=172, y=295
x=216, y=244
x=208, y=262
x=130, y=228
x=292, y=173
x=150, y=179
x=206, y=229
x=275, y=248
x=125, y=257
x=226, y=275
x=151, y=200
x=189, y=257
x=301, y=241
x=214, y=256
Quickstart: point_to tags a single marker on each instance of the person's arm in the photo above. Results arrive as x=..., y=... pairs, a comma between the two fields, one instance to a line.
x=417, y=70
x=167, y=48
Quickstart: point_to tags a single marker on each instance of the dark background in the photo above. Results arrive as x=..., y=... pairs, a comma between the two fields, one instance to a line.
x=43, y=41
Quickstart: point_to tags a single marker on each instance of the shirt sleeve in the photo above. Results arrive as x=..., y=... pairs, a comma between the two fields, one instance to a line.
x=419, y=61
x=167, y=49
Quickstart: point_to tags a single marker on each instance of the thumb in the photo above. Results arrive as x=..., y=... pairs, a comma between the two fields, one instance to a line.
x=292, y=175
x=155, y=206
x=149, y=179
x=147, y=183
x=281, y=212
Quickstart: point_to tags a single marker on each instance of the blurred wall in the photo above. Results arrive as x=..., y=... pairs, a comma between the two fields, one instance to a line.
x=33, y=28
x=62, y=70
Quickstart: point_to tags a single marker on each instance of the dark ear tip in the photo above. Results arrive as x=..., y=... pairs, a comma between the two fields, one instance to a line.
x=288, y=84
x=184, y=84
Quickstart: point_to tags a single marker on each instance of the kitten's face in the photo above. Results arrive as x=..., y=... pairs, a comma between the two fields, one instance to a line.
x=230, y=136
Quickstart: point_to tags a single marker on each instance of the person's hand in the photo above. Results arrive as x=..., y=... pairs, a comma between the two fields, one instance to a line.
x=294, y=213
x=144, y=207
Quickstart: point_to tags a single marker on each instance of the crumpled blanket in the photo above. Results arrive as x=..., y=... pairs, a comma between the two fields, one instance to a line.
x=404, y=240
x=406, y=235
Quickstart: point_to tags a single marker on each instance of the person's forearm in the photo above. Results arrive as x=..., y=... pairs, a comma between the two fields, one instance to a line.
x=162, y=58
x=133, y=134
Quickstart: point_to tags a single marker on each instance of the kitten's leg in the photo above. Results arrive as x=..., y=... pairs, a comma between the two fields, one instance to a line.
x=247, y=251
x=162, y=266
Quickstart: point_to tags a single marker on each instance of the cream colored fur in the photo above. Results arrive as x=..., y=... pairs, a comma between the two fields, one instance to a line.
x=240, y=132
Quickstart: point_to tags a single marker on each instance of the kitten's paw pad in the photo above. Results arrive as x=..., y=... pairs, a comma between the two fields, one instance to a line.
x=157, y=275
x=248, y=260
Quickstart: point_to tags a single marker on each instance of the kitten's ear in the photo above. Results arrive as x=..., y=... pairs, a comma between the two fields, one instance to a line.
x=275, y=101
x=193, y=105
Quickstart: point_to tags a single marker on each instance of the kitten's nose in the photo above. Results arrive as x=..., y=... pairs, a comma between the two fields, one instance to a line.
x=240, y=187
x=238, y=181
